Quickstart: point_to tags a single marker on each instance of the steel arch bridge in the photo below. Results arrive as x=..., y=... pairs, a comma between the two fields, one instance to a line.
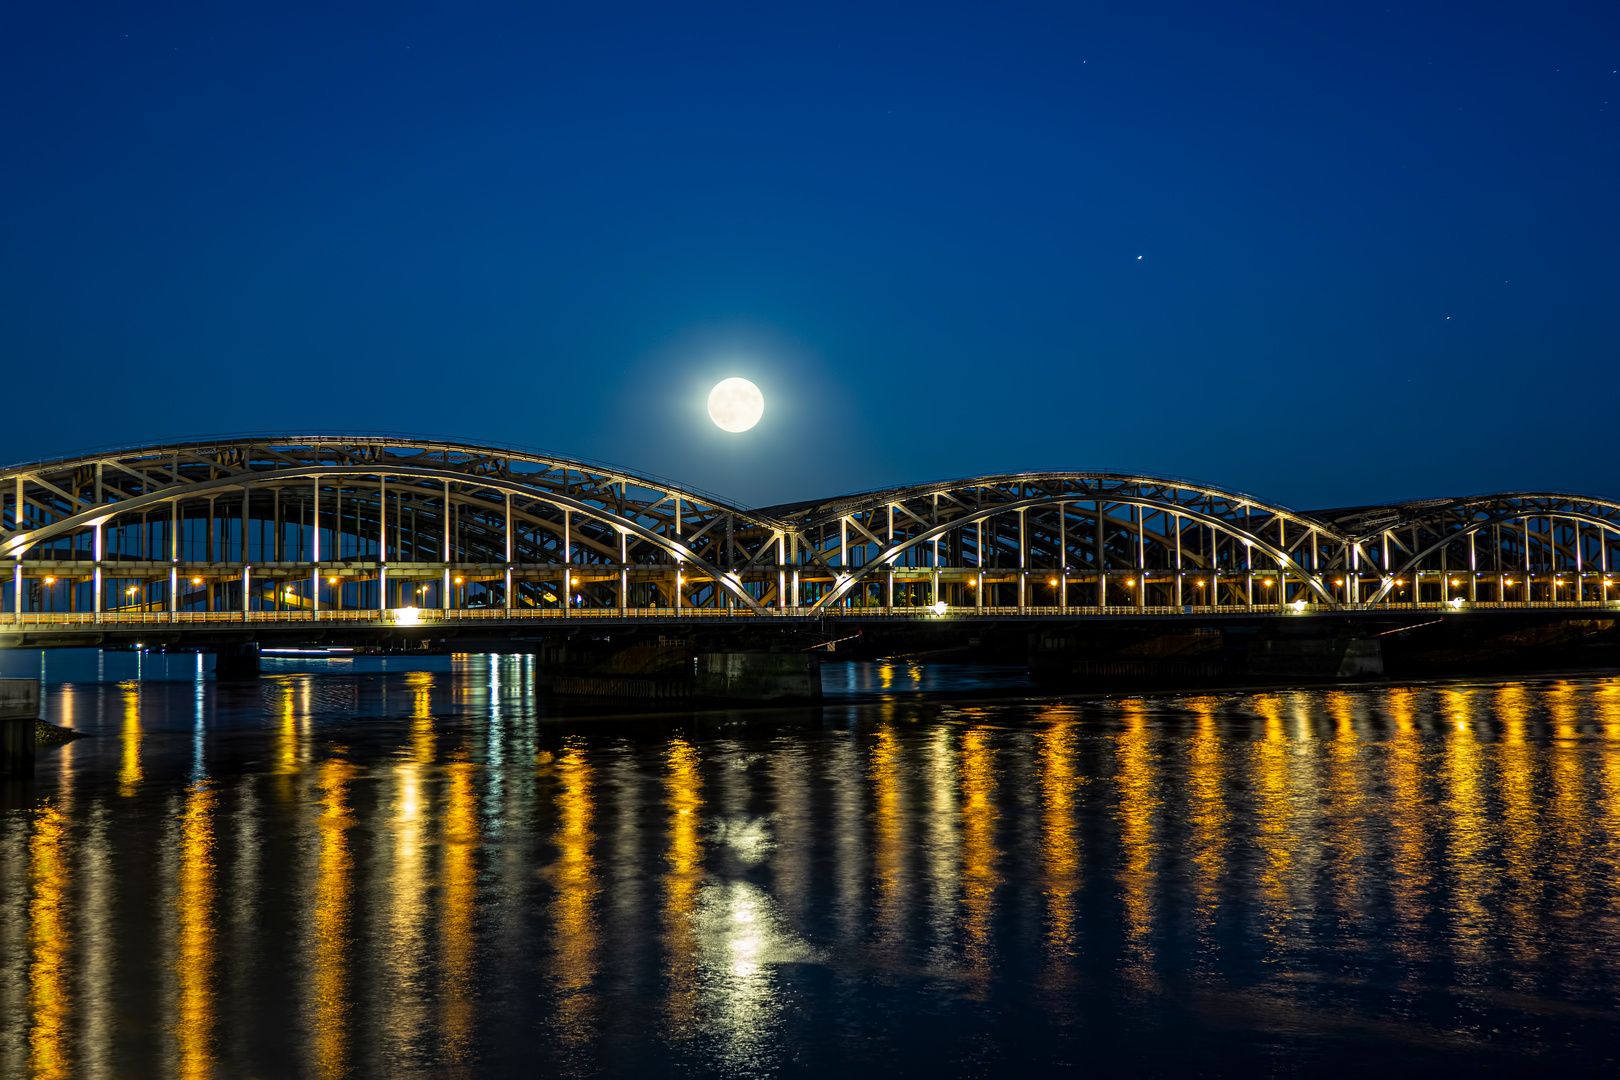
x=358, y=528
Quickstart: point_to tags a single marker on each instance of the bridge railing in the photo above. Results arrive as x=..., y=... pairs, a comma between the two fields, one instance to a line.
x=438, y=616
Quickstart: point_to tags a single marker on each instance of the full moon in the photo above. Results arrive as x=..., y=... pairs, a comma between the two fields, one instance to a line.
x=736, y=404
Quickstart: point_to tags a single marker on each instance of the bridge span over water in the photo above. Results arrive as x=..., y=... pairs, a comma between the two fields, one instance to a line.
x=354, y=531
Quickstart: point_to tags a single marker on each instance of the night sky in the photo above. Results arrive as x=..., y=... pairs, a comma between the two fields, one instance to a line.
x=1327, y=254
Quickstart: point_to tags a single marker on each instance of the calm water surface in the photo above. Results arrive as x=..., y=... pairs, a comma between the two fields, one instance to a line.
x=355, y=869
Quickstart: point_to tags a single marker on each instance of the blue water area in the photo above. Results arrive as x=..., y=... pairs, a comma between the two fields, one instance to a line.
x=340, y=869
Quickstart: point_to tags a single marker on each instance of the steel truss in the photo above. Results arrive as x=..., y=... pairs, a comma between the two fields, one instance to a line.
x=356, y=523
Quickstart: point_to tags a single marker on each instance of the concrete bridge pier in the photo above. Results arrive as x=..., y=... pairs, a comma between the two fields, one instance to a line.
x=759, y=676
x=19, y=709
x=237, y=661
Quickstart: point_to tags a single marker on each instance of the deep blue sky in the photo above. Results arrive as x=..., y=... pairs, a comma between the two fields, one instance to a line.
x=1328, y=254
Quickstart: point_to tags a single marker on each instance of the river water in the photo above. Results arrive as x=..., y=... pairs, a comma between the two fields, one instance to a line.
x=383, y=868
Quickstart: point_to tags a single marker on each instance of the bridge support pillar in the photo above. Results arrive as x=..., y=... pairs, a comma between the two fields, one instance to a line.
x=19, y=709
x=237, y=661
x=746, y=676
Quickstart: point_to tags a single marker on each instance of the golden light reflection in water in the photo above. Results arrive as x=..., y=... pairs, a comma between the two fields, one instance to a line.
x=684, y=858
x=1409, y=826
x=1469, y=833
x=129, y=771
x=1515, y=791
x=889, y=840
x=288, y=744
x=461, y=841
x=573, y=911
x=408, y=889
x=1060, y=839
x=1137, y=812
x=943, y=850
x=330, y=919
x=980, y=856
x=1274, y=820
x=1606, y=712
x=1568, y=813
x=49, y=1000
x=194, y=947
x=1346, y=809
x=1210, y=818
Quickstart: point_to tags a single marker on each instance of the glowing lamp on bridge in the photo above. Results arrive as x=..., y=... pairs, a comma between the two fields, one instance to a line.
x=939, y=607
x=1299, y=606
x=407, y=616
x=50, y=581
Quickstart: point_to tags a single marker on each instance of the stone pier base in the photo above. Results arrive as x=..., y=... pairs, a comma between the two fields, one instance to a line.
x=19, y=708
x=237, y=661
x=748, y=676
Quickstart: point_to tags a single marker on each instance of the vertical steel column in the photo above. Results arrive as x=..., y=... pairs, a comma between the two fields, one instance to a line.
x=16, y=573
x=315, y=547
x=568, y=560
x=1140, y=514
x=1352, y=577
x=1097, y=550
x=934, y=524
x=1473, y=568
x=624, y=571
x=678, y=581
x=1603, y=560
x=781, y=573
x=247, y=572
x=96, y=599
x=446, y=554
x=506, y=596
x=1023, y=559
x=1527, y=561
x=1175, y=523
x=1063, y=557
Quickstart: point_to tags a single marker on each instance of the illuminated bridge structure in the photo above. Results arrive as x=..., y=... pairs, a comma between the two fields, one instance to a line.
x=334, y=530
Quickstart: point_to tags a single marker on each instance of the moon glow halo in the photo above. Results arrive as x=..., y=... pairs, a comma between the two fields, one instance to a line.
x=735, y=404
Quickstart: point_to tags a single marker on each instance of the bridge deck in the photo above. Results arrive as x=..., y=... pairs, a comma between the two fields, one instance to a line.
x=470, y=618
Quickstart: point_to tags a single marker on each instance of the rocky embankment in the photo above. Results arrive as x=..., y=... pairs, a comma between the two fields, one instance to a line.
x=51, y=735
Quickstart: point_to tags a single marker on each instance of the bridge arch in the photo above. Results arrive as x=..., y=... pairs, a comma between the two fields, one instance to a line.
x=1266, y=537
x=383, y=501
x=1425, y=533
